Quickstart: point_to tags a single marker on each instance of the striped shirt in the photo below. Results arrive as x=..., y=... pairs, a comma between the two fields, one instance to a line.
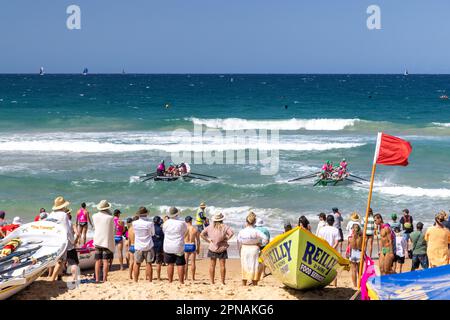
x=370, y=226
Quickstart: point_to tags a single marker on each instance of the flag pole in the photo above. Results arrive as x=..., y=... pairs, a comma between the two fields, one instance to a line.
x=369, y=199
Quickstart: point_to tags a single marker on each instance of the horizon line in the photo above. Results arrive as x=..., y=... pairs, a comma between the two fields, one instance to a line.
x=214, y=73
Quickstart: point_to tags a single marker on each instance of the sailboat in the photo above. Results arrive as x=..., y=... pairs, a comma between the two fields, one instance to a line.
x=41, y=71
x=123, y=71
x=85, y=71
x=406, y=72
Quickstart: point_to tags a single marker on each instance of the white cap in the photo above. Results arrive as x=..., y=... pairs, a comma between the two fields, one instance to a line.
x=259, y=222
x=17, y=220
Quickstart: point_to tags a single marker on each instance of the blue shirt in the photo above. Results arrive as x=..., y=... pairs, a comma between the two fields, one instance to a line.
x=158, y=239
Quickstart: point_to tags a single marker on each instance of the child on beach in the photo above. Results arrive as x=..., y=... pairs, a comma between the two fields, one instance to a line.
x=394, y=223
x=158, y=241
x=400, y=250
x=191, y=246
x=322, y=222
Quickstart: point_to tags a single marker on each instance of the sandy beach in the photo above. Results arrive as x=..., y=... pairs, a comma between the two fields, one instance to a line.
x=120, y=287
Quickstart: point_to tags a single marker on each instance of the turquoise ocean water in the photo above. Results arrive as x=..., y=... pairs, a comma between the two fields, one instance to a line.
x=90, y=137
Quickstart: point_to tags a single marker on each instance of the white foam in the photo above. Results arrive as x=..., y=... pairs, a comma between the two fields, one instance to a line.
x=109, y=147
x=414, y=191
x=442, y=124
x=291, y=124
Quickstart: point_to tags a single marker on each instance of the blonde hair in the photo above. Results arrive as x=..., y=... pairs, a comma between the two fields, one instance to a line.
x=251, y=218
x=218, y=224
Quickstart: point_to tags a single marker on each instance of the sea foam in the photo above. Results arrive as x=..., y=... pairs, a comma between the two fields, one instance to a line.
x=291, y=124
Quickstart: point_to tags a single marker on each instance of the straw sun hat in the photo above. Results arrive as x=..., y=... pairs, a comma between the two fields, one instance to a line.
x=60, y=203
x=173, y=212
x=355, y=216
x=103, y=205
x=202, y=205
x=218, y=217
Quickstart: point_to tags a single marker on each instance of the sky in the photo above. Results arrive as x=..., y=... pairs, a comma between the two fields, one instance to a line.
x=218, y=36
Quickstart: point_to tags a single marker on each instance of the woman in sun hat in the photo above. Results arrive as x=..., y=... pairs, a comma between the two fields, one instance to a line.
x=217, y=235
x=249, y=241
x=103, y=238
x=354, y=219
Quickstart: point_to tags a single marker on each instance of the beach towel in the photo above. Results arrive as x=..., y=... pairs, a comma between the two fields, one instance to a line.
x=369, y=271
x=249, y=262
x=87, y=247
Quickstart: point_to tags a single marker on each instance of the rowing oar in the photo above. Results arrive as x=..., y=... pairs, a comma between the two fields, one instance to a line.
x=305, y=177
x=203, y=175
x=192, y=177
x=152, y=177
x=17, y=254
x=27, y=263
x=351, y=175
x=148, y=175
x=353, y=180
x=315, y=184
x=23, y=255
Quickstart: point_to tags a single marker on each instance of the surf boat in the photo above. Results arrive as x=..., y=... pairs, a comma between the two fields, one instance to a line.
x=301, y=260
x=40, y=245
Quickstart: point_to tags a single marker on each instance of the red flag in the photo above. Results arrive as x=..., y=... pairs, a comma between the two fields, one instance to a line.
x=392, y=151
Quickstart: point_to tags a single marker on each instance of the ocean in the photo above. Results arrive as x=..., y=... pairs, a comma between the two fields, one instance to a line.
x=90, y=137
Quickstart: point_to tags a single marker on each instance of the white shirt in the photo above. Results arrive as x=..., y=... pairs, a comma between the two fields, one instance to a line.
x=320, y=226
x=251, y=235
x=144, y=230
x=61, y=218
x=174, y=231
x=400, y=246
x=330, y=234
x=104, y=230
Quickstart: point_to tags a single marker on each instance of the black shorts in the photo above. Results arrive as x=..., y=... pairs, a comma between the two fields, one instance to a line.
x=341, y=235
x=72, y=257
x=215, y=255
x=103, y=254
x=171, y=258
x=398, y=259
x=82, y=224
x=159, y=258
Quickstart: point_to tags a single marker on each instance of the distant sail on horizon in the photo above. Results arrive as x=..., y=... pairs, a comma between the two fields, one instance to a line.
x=85, y=71
x=406, y=72
x=41, y=71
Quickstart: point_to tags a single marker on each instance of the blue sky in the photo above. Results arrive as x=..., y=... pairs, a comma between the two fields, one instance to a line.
x=233, y=36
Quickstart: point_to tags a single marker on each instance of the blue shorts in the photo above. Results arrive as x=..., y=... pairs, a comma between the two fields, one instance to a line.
x=189, y=247
x=118, y=239
x=131, y=248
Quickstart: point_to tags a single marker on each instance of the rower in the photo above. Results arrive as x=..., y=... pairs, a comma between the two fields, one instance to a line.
x=160, y=169
x=343, y=164
x=183, y=169
x=170, y=170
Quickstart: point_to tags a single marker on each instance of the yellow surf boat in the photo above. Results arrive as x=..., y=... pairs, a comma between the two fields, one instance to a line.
x=301, y=260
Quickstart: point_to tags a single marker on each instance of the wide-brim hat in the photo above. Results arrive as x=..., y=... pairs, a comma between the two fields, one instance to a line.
x=103, y=205
x=173, y=212
x=218, y=216
x=202, y=205
x=60, y=203
x=355, y=216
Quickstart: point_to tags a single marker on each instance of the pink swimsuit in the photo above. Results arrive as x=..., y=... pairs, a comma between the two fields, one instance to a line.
x=82, y=216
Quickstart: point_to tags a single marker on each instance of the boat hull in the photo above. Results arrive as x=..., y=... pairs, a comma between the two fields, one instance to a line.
x=49, y=241
x=300, y=260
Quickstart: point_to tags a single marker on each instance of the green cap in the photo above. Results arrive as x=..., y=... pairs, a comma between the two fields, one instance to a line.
x=394, y=216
